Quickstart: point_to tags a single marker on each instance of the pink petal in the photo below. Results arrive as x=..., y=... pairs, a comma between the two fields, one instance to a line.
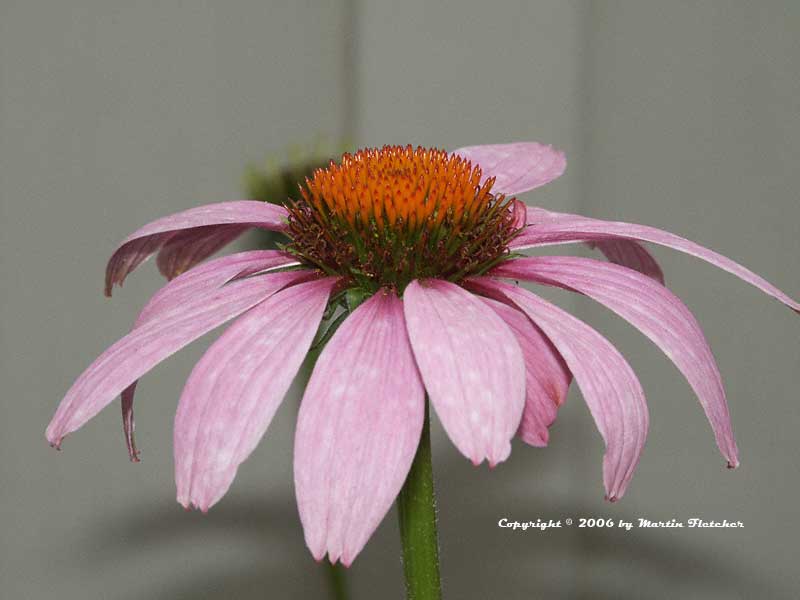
x=128, y=423
x=358, y=429
x=146, y=346
x=609, y=386
x=142, y=243
x=519, y=213
x=187, y=248
x=209, y=277
x=547, y=378
x=517, y=167
x=626, y=253
x=547, y=228
x=233, y=392
x=633, y=255
x=202, y=280
x=655, y=311
x=471, y=364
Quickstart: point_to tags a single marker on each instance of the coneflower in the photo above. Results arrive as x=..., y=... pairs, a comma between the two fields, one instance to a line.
x=396, y=258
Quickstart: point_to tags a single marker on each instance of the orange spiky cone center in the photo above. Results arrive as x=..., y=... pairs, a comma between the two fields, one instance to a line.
x=383, y=217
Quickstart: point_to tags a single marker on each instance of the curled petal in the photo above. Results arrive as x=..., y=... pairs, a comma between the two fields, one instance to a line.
x=520, y=213
x=187, y=248
x=471, y=364
x=235, y=389
x=358, y=429
x=145, y=241
x=609, y=386
x=655, y=311
x=128, y=423
x=517, y=167
x=547, y=378
x=147, y=345
x=547, y=228
x=633, y=255
x=199, y=281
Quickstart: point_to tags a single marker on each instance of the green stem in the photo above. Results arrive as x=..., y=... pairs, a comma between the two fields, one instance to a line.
x=416, y=506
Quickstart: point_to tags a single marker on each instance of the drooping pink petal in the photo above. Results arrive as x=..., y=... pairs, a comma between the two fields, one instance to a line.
x=187, y=248
x=358, y=429
x=547, y=228
x=235, y=389
x=145, y=241
x=517, y=167
x=144, y=347
x=620, y=251
x=471, y=364
x=547, y=378
x=655, y=311
x=209, y=277
x=609, y=386
x=128, y=422
x=202, y=280
x=633, y=255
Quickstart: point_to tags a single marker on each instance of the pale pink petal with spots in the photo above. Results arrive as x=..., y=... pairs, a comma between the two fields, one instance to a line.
x=235, y=389
x=608, y=384
x=471, y=364
x=146, y=346
x=358, y=429
x=199, y=281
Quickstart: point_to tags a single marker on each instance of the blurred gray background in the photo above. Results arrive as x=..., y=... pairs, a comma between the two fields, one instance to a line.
x=683, y=115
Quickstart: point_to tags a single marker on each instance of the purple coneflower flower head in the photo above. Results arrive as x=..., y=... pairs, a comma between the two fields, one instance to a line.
x=431, y=240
